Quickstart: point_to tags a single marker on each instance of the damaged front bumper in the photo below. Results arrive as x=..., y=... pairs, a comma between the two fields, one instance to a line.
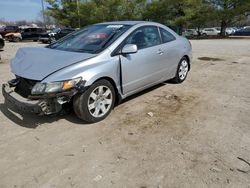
x=42, y=105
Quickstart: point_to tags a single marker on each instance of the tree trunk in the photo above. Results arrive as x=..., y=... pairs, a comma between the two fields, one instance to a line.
x=223, y=28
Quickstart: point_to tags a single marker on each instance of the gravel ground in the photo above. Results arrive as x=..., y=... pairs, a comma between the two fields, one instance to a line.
x=198, y=135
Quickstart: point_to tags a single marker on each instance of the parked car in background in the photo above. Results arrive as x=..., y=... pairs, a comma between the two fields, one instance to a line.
x=242, y=32
x=1, y=45
x=229, y=30
x=97, y=67
x=55, y=34
x=9, y=29
x=1, y=42
x=190, y=32
x=210, y=32
x=13, y=37
x=48, y=36
x=25, y=34
x=32, y=33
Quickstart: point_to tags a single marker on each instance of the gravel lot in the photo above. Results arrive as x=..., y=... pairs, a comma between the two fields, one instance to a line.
x=197, y=132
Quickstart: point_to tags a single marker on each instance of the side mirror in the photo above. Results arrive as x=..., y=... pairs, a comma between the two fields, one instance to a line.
x=129, y=49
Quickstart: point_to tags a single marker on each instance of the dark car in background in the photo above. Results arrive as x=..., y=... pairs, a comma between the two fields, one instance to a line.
x=9, y=29
x=1, y=42
x=55, y=34
x=243, y=32
x=32, y=33
x=25, y=34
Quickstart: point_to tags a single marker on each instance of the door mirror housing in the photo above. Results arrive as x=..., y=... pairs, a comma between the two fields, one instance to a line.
x=129, y=49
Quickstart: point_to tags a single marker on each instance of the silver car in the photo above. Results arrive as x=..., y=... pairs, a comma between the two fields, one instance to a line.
x=96, y=67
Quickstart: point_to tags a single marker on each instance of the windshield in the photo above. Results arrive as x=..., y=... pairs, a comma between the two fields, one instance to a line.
x=92, y=39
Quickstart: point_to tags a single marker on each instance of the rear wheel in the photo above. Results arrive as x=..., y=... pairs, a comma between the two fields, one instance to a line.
x=96, y=103
x=16, y=39
x=182, y=71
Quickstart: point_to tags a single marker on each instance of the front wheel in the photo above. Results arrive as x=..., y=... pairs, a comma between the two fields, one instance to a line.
x=96, y=103
x=182, y=71
x=52, y=40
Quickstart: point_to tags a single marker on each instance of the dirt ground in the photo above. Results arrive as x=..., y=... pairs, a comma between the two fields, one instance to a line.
x=198, y=136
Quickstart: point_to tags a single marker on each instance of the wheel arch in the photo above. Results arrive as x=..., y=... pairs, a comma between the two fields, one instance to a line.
x=188, y=60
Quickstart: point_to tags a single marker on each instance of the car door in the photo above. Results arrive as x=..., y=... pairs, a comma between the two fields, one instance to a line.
x=37, y=33
x=171, y=53
x=208, y=31
x=246, y=31
x=214, y=32
x=146, y=66
x=26, y=34
x=33, y=33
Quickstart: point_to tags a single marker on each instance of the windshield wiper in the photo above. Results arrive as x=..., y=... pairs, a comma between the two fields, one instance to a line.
x=83, y=50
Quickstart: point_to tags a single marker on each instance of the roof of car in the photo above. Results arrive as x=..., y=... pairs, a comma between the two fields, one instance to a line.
x=124, y=22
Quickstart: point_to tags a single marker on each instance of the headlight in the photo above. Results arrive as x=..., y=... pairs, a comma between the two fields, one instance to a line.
x=54, y=87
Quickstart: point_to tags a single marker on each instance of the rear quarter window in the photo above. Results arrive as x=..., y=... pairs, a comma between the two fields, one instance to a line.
x=166, y=36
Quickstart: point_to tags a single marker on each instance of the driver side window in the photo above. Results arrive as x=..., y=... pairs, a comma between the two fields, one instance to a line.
x=145, y=37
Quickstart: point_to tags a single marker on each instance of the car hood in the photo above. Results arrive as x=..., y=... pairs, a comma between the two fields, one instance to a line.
x=36, y=63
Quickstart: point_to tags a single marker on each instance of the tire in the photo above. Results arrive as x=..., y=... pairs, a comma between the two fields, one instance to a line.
x=16, y=39
x=182, y=71
x=204, y=35
x=52, y=40
x=92, y=106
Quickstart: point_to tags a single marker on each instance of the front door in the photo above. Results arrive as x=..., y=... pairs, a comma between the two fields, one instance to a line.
x=147, y=65
x=26, y=34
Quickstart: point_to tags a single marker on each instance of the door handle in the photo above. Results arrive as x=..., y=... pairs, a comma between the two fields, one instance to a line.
x=160, y=52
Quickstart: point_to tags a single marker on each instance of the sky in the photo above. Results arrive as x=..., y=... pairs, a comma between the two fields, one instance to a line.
x=16, y=10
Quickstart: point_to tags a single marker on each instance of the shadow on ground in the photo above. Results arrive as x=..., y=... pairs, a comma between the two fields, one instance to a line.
x=32, y=121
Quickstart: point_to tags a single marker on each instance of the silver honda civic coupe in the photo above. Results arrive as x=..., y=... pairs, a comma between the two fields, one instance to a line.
x=96, y=67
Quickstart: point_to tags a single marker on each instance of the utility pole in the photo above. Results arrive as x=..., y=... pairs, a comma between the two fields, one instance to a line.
x=44, y=25
x=78, y=13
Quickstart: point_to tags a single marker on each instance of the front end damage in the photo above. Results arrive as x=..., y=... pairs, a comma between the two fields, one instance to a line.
x=18, y=93
x=13, y=37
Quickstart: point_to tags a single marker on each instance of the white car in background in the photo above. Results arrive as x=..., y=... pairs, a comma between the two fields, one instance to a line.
x=210, y=32
x=230, y=30
x=190, y=32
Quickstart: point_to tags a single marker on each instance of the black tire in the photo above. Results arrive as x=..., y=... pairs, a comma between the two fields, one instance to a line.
x=177, y=79
x=16, y=39
x=52, y=40
x=80, y=102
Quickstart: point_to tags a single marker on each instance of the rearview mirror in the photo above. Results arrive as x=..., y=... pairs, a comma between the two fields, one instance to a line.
x=129, y=49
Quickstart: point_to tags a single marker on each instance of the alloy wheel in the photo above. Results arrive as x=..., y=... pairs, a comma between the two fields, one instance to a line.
x=100, y=101
x=183, y=69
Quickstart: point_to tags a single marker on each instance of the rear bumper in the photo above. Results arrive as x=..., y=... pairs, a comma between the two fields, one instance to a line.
x=23, y=104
